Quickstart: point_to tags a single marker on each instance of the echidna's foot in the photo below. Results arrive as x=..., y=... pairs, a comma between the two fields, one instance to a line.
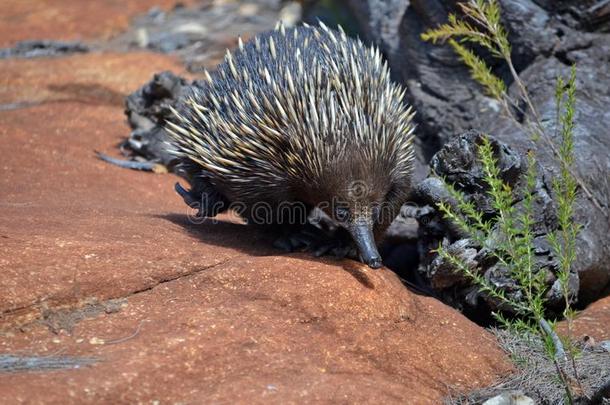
x=318, y=241
x=204, y=198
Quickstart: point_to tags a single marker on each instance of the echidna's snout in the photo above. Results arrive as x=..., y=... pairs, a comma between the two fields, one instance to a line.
x=362, y=233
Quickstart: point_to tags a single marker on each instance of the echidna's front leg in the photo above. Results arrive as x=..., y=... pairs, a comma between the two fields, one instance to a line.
x=319, y=241
x=339, y=244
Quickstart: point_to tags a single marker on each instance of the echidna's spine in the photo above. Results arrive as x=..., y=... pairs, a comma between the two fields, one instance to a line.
x=288, y=104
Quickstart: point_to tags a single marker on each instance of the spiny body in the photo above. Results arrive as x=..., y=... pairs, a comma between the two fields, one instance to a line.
x=300, y=115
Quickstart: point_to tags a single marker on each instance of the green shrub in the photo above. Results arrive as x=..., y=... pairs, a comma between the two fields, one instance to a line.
x=513, y=248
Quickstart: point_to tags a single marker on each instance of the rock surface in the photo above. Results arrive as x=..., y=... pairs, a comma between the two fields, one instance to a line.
x=510, y=398
x=259, y=329
x=199, y=35
x=37, y=48
x=95, y=78
x=592, y=322
x=70, y=20
x=102, y=267
x=61, y=207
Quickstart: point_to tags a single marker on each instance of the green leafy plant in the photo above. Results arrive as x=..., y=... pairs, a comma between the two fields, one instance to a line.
x=512, y=249
x=512, y=229
x=512, y=233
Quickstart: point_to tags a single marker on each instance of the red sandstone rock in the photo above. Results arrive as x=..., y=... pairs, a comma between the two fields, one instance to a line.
x=247, y=329
x=70, y=20
x=94, y=78
x=593, y=321
x=210, y=312
x=260, y=329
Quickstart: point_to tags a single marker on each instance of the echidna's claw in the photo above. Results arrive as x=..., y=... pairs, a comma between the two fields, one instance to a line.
x=189, y=199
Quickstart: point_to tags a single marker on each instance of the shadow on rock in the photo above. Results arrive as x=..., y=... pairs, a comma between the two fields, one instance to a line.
x=90, y=93
x=258, y=242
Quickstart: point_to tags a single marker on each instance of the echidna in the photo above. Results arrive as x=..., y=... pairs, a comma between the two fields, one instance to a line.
x=294, y=119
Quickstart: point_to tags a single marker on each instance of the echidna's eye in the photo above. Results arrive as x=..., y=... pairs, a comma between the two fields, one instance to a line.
x=341, y=214
x=376, y=212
